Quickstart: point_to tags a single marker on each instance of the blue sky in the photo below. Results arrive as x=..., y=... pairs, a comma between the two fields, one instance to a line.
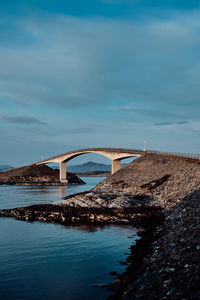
x=98, y=73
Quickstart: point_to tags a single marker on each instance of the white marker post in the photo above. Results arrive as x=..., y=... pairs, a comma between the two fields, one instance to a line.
x=145, y=146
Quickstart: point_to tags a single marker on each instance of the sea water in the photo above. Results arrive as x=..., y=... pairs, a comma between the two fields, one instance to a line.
x=51, y=261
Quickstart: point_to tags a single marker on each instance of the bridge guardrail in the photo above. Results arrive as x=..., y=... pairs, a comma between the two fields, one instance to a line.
x=177, y=154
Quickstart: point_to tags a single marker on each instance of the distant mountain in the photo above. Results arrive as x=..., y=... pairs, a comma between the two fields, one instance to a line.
x=89, y=166
x=5, y=168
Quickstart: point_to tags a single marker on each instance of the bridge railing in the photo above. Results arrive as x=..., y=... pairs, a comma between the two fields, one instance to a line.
x=177, y=154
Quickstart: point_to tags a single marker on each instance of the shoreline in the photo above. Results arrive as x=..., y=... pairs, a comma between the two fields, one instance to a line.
x=139, y=251
x=93, y=174
x=137, y=216
x=41, y=183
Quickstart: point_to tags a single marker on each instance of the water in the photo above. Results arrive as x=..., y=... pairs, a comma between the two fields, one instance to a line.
x=50, y=261
x=17, y=195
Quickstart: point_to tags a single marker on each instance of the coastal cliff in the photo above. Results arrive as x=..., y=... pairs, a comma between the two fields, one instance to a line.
x=36, y=174
x=161, y=195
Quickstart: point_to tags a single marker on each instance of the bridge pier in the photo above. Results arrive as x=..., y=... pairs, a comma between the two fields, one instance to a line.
x=116, y=165
x=63, y=174
x=115, y=155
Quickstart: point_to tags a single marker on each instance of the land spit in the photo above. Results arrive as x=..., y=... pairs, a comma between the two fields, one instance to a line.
x=36, y=175
x=159, y=194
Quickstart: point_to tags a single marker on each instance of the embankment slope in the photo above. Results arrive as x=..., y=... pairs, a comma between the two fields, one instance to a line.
x=171, y=268
x=166, y=179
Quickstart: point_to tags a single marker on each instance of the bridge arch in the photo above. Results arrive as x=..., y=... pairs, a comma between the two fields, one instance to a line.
x=114, y=154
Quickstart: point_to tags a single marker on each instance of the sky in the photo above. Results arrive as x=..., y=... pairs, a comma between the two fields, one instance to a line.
x=98, y=73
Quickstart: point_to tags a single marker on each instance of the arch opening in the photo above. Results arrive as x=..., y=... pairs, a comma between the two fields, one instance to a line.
x=89, y=163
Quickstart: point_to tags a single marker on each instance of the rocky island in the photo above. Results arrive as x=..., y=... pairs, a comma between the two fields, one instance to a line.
x=159, y=194
x=36, y=175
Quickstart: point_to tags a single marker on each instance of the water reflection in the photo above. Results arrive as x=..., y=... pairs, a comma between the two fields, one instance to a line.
x=35, y=189
x=62, y=191
x=120, y=229
x=16, y=196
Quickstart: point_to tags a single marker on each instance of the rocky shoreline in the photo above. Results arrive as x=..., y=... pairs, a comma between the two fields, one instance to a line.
x=161, y=196
x=69, y=215
x=165, y=262
x=31, y=182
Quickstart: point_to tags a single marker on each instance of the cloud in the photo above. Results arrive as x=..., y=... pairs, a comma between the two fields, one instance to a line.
x=21, y=120
x=72, y=62
x=79, y=130
x=172, y=123
x=145, y=111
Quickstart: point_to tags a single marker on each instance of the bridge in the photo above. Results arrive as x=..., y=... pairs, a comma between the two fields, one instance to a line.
x=114, y=154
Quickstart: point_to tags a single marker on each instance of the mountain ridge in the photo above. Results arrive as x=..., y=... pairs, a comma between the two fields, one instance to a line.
x=5, y=168
x=89, y=166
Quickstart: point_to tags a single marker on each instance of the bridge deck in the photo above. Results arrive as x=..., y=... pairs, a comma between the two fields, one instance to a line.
x=119, y=150
x=113, y=150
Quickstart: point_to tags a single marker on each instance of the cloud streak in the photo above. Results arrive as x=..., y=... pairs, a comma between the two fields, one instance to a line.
x=22, y=120
x=172, y=123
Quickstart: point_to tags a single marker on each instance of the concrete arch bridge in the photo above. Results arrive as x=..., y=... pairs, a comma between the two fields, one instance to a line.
x=114, y=154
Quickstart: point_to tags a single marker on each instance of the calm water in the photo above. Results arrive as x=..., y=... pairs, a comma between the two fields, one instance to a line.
x=13, y=195
x=48, y=261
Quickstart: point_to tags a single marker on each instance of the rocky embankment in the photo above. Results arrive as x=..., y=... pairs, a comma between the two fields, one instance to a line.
x=36, y=174
x=160, y=194
x=168, y=267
